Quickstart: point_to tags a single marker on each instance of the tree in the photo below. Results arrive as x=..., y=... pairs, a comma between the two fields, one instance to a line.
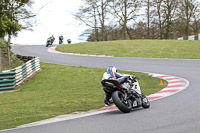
x=196, y=20
x=158, y=21
x=125, y=11
x=1, y=42
x=15, y=15
x=93, y=14
x=165, y=11
x=102, y=12
x=187, y=11
x=87, y=14
x=148, y=17
x=163, y=19
x=18, y=12
x=148, y=4
x=169, y=9
x=3, y=20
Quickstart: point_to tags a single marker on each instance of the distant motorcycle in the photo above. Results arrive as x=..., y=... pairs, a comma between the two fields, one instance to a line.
x=49, y=42
x=124, y=96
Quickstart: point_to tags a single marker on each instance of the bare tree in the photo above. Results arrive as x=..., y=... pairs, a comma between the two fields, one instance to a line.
x=125, y=11
x=169, y=9
x=103, y=10
x=93, y=14
x=187, y=12
x=158, y=17
x=87, y=14
x=196, y=20
x=163, y=19
x=165, y=11
x=148, y=17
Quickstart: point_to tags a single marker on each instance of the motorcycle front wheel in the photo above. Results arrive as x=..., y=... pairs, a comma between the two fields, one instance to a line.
x=122, y=105
x=145, y=102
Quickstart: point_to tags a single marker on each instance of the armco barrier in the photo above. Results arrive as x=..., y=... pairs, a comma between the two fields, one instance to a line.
x=193, y=37
x=9, y=79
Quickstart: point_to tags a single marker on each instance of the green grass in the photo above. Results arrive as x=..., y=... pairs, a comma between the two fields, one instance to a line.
x=58, y=90
x=181, y=49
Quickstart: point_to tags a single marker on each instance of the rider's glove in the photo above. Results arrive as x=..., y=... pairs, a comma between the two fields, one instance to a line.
x=133, y=78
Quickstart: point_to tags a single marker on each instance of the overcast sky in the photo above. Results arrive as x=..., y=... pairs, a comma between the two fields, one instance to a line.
x=54, y=19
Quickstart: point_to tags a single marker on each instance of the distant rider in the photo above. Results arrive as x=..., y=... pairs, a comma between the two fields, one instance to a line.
x=49, y=41
x=112, y=73
x=52, y=39
x=61, y=39
x=68, y=41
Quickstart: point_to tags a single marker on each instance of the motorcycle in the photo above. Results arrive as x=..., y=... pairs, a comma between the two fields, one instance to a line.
x=49, y=42
x=125, y=94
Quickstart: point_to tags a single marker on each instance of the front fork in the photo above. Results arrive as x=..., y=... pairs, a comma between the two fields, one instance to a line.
x=133, y=98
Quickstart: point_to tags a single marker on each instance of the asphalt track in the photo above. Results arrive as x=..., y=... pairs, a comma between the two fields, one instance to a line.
x=179, y=113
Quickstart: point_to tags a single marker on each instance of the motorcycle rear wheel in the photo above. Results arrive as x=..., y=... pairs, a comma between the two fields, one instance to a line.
x=122, y=105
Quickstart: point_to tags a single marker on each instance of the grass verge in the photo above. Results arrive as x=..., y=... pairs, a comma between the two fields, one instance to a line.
x=58, y=90
x=181, y=49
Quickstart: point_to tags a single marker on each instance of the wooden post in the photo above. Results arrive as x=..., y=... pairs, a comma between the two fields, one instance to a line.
x=8, y=50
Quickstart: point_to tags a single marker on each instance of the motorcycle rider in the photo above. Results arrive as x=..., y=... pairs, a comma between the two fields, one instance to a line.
x=61, y=39
x=112, y=73
x=52, y=39
x=68, y=41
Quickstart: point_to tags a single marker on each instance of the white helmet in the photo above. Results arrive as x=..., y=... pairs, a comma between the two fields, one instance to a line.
x=111, y=69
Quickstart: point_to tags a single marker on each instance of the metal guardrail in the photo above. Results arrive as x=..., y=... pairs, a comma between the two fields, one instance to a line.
x=193, y=37
x=7, y=80
x=12, y=78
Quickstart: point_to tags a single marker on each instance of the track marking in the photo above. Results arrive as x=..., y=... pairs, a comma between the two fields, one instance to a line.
x=52, y=50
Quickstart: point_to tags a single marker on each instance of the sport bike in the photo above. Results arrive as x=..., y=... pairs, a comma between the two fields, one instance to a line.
x=125, y=94
x=48, y=43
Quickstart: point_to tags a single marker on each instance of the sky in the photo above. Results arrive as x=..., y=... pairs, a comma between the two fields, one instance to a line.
x=54, y=19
